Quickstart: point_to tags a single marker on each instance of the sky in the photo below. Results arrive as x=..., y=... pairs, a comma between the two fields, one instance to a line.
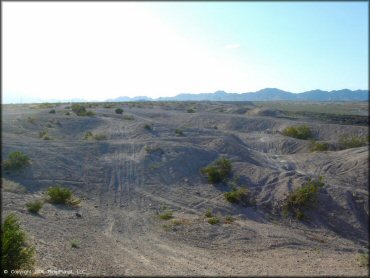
x=97, y=51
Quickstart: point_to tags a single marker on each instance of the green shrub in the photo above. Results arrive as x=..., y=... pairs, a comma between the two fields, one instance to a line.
x=299, y=132
x=16, y=161
x=89, y=113
x=213, y=220
x=236, y=195
x=128, y=117
x=67, y=113
x=362, y=259
x=217, y=172
x=80, y=110
x=119, y=110
x=190, y=110
x=43, y=133
x=88, y=135
x=34, y=206
x=75, y=243
x=179, y=132
x=302, y=198
x=148, y=126
x=166, y=215
x=229, y=219
x=348, y=141
x=318, y=147
x=208, y=213
x=52, y=111
x=46, y=137
x=100, y=136
x=59, y=195
x=16, y=253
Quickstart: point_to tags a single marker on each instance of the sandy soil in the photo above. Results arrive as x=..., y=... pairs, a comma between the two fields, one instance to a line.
x=126, y=180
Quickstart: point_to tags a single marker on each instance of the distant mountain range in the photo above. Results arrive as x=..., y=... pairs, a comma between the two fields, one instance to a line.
x=261, y=95
x=267, y=94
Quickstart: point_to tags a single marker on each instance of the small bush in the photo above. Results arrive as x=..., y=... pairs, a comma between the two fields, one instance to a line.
x=10, y=186
x=179, y=132
x=35, y=206
x=119, y=110
x=75, y=243
x=80, y=110
x=43, y=133
x=166, y=215
x=213, y=220
x=88, y=135
x=236, y=195
x=348, y=141
x=52, y=111
x=229, y=219
x=128, y=118
x=89, y=113
x=217, y=172
x=362, y=259
x=16, y=253
x=318, y=147
x=16, y=161
x=208, y=213
x=59, y=195
x=148, y=127
x=299, y=132
x=190, y=110
x=67, y=113
x=100, y=136
x=302, y=198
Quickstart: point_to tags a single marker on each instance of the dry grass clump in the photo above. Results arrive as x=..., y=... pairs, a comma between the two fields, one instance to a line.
x=236, y=195
x=61, y=195
x=34, y=206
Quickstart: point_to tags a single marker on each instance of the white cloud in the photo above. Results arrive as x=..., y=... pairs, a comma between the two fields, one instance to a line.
x=232, y=46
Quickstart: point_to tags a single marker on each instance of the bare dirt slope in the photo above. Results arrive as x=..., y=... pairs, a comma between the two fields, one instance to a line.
x=137, y=172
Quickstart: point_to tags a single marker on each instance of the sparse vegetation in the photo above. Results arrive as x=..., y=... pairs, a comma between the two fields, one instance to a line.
x=45, y=105
x=119, y=110
x=302, y=198
x=16, y=161
x=52, y=111
x=213, y=220
x=44, y=135
x=80, y=110
x=99, y=136
x=229, y=219
x=10, y=186
x=61, y=195
x=352, y=141
x=236, y=195
x=218, y=171
x=67, y=113
x=16, y=252
x=299, y=132
x=148, y=127
x=318, y=147
x=75, y=243
x=31, y=120
x=166, y=215
x=190, y=110
x=34, y=206
x=179, y=132
x=363, y=259
x=128, y=117
x=208, y=213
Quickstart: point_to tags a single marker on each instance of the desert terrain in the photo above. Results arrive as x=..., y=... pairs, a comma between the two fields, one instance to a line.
x=148, y=161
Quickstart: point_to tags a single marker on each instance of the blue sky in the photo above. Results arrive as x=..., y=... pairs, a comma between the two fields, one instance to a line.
x=105, y=50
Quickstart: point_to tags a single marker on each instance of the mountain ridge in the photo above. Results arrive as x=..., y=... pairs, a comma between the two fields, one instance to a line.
x=266, y=94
